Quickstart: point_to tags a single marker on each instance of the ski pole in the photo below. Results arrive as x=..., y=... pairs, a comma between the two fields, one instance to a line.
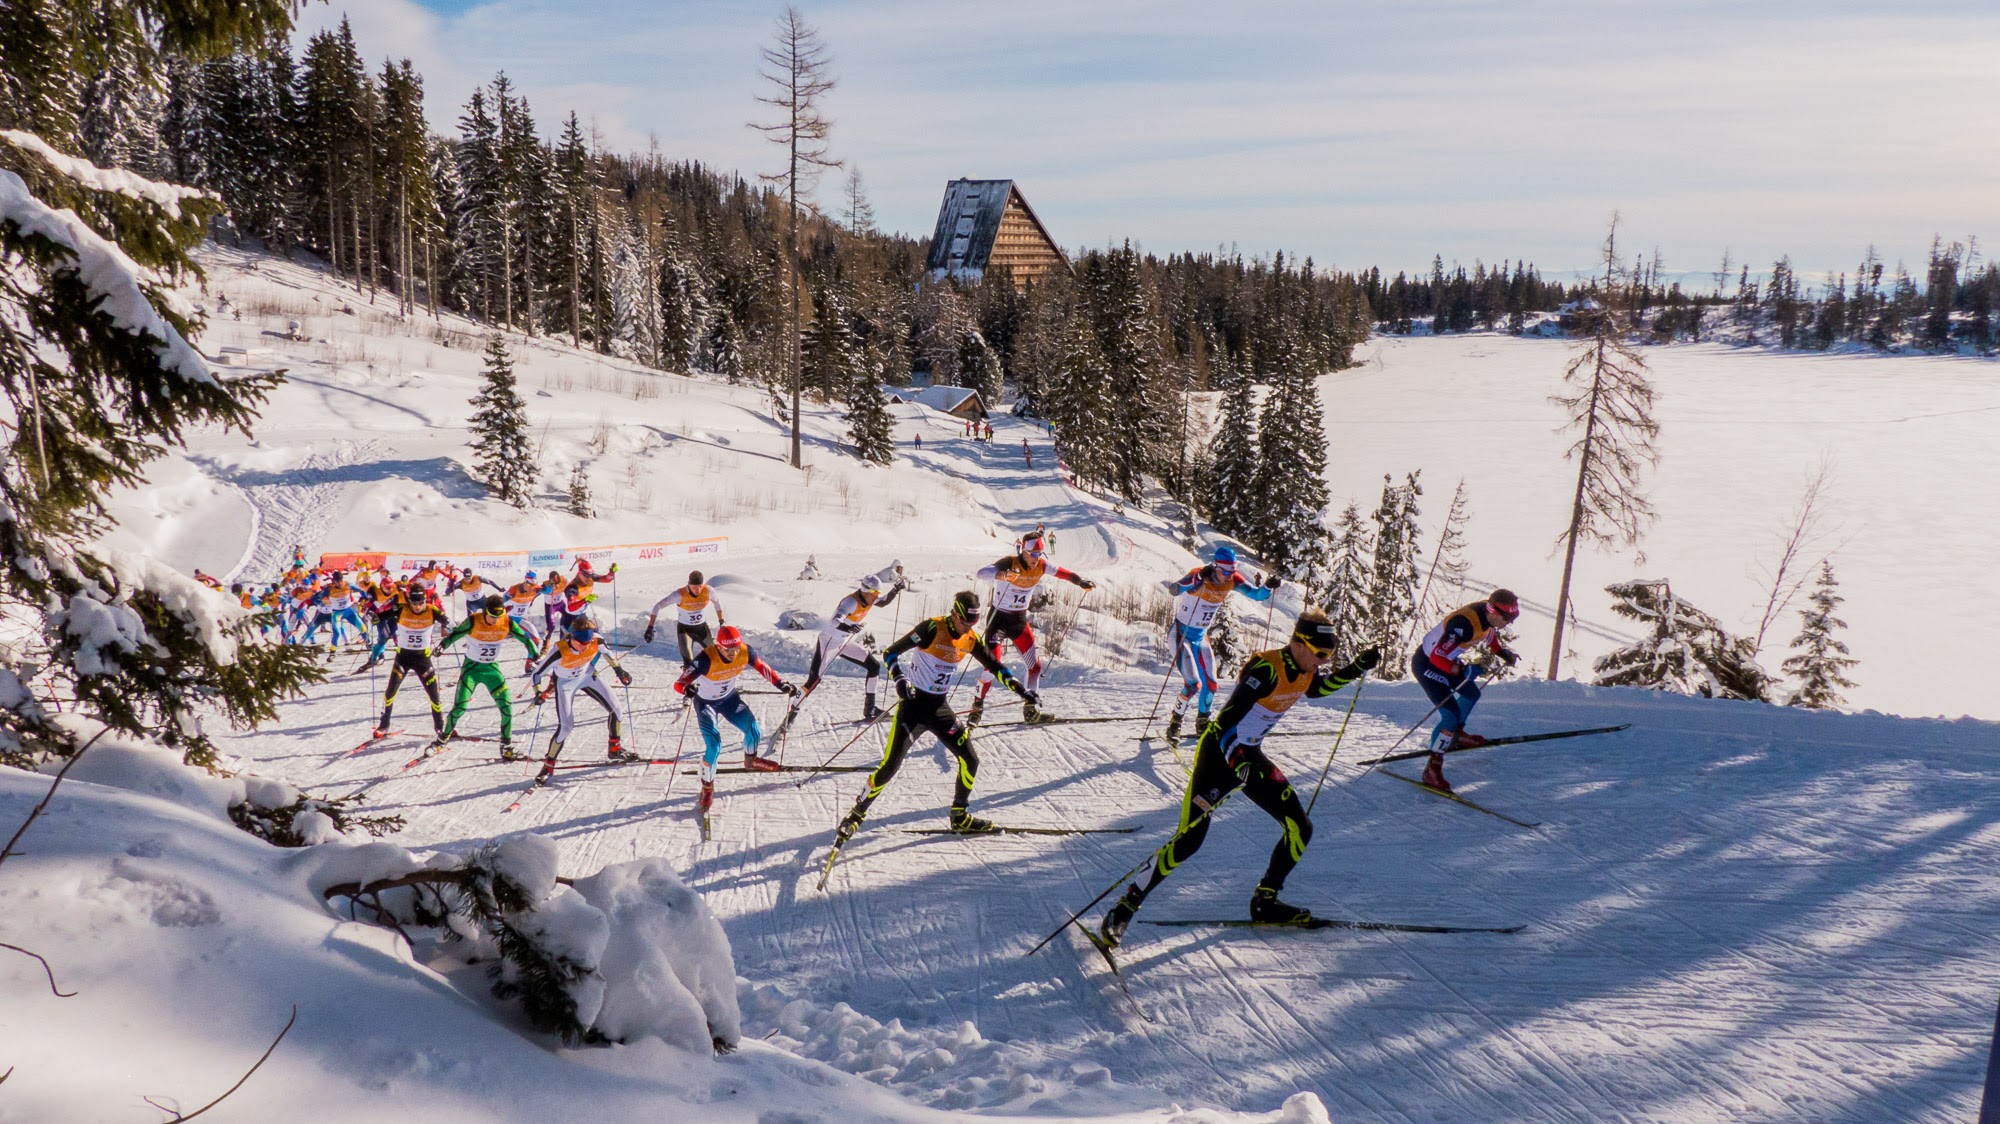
x=675, y=769
x=1358, y=683
x=1151, y=856
x=1162, y=693
x=843, y=749
x=1413, y=729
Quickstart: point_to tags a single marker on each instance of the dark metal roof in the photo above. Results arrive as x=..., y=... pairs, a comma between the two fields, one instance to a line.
x=969, y=221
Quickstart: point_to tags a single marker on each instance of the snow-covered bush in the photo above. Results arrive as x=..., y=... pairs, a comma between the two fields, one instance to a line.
x=1688, y=652
x=627, y=953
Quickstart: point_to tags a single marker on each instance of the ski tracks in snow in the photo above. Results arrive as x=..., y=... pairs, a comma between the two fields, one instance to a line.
x=295, y=507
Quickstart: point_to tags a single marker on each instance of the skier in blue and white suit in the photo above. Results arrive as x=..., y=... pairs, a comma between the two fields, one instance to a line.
x=1199, y=597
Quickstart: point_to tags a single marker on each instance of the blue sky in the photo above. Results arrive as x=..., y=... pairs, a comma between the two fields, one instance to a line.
x=1357, y=133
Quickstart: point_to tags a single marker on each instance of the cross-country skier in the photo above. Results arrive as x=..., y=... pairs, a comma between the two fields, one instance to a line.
x=380, y=604
x=417, y=615
x=1447, y=664
x=692, y=604
x=1014, y=580
x=842, y=638
x=572, y=663
x=1198, y=599
x=578, y=593
x=485, y=630
x=339, y=607
x=713, y=676
x=935, y=649
x=1231, y=755
x=521, y=598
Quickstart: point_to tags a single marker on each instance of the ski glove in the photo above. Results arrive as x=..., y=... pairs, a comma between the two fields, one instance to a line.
x=1507, y=656
x=1271, y=581
x=904, y=691
x=647, y=636
x=1472, y=672
x=1031, y=697
x=528, y=667
x=624, y=677
x=1085, y=584
x=791, y=689
x=1368, y=658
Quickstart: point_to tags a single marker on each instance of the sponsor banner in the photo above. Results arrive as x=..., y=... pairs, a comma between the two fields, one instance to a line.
x=496, y=564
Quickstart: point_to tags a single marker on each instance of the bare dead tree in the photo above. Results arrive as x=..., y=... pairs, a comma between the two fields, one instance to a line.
x=1611, y=401
x=268, y=1051
x=797, y=73
x=1788, y=576
x=860, y=213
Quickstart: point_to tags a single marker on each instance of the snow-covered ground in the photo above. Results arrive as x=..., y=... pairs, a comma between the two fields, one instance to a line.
x=1741, y=432
x=1729, y=912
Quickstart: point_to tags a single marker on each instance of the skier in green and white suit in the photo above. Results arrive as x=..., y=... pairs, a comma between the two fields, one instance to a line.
x=489, y=628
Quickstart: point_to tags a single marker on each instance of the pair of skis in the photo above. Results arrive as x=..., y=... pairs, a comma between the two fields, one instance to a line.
x=1517, y=739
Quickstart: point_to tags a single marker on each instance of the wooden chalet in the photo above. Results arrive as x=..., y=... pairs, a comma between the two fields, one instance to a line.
x=987, y=224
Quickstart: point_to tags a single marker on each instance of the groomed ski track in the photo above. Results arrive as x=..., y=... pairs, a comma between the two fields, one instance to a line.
x=1727, y=917
x=1733, y=911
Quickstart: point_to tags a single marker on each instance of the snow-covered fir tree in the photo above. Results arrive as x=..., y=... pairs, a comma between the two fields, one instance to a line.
x=1233, y=468
x=684, y=308
x=499, y=426
x=635, y=300
x=870, y=428
x=102, y=379
x=1288, y=527
x=1074, y=394
x=1396, y=574
x=1346, y=597
x=1822, y=659
x=1687, y=653
x=579, y=493
x=827, y=358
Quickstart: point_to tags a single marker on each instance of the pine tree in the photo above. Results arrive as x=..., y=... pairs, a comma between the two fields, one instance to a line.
x=1233, y=472
x=1612, y=404
x=1820, y=667
x=1392, y=595
x=101, y=378
x=1076, y=401
x=1445, y=585
x=827, y=359
x=579, y=493
x=1347, y=595
x=499, y=427
x=869, y=425
x=1688, y=653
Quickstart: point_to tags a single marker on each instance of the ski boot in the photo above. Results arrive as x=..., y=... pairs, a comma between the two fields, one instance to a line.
x=965, y=823
x=379, y=732
x=1174, y=726
x=1434, y=773
x=757, y=763
x=1200, y=723
x=616, y=751
x=976, y=710
x=1119, y=917
x=1265, y=907
x=437, y=746
x=849, y=824
x=548, y=769
x=1462, y=740
x=509, y=753
x=706, y=799
x=869, y=711
x=1034, y=715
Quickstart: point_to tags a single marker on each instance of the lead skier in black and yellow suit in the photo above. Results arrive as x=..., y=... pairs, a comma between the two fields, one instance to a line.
x=1231, y=755
x=935, y=650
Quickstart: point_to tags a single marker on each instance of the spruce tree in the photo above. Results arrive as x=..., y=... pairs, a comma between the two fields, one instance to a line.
x=1289, y=493
x=579, y=493
x=1822, y=659
x=1348, y=593
x=1392, y=595
x=102, y=378
x=869, y=425
x=500, y=430
x=1233, y=472
x=1446, y=585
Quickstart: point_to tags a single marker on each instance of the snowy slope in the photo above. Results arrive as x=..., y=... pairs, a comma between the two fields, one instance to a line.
x=1731, y=911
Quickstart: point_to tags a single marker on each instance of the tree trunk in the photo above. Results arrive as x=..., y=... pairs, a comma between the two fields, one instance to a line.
x=575, y=284
x=1576, y=515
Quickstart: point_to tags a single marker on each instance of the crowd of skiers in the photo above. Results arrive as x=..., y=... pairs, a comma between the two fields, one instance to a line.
x=548, y=619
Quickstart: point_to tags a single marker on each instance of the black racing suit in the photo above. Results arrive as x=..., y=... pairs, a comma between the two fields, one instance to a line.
x=1223, y=763
x=926, y=711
